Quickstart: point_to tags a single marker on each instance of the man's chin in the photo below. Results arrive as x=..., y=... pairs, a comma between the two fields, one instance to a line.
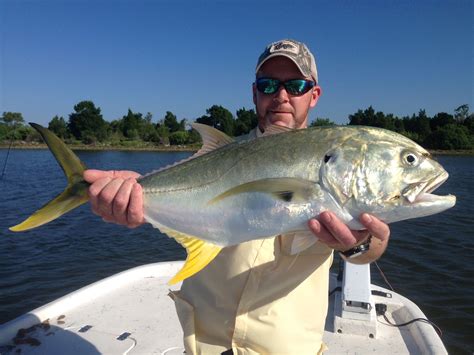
x=282, y=122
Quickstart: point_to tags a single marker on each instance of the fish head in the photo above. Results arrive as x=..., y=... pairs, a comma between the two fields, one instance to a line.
x=386, y=174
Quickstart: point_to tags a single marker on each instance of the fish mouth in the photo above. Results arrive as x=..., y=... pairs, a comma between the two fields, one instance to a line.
x=421, y=192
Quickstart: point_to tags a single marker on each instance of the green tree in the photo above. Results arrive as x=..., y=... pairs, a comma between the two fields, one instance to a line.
x=163, y=133
x=59, y=127
x=3, y=131
x=371, y=118
x=193, y=137
x=399, y=126
x=321, y=122
x=220, y=118
x=86, y=123
x=178, y=138
x=418, y=124
x=148, y=130
x=246, y=120
x=115, y=129
x=441, y=119
x=12, y=126
x=132, y=124
x=391, y=122
x=363, y=118
x=469, y=124
x=451, y=136
x=12, y=119
x=461, y=113
x=171, y=122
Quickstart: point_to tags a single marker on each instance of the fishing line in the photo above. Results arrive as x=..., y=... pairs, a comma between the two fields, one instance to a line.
x=6, y=158
x=383, y=276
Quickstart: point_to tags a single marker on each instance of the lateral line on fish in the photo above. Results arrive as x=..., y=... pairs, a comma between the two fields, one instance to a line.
x=157, y=190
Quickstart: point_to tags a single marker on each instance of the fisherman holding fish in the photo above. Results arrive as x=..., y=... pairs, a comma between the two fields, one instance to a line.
x=260, y=215
x=258, y=296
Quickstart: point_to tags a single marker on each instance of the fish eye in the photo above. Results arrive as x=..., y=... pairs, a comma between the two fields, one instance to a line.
x=410, y=158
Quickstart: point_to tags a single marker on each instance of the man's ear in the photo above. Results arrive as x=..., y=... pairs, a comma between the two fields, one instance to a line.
x=315, y=94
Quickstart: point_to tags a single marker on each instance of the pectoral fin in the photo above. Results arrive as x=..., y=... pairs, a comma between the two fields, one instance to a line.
x=200, y=254
x=302, y=241
x=284, y=189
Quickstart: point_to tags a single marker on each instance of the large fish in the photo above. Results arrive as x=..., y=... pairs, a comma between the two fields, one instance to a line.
x=231, y=192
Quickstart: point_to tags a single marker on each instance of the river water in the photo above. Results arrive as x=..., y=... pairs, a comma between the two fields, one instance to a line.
x=429, y=259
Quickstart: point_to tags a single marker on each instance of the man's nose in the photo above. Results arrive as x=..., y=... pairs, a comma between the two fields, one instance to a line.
x=281, y=95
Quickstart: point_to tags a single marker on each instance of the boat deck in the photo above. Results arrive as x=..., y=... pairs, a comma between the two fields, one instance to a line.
x=131, y=313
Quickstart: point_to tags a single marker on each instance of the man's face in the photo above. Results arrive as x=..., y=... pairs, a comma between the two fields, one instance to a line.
x=282, y=108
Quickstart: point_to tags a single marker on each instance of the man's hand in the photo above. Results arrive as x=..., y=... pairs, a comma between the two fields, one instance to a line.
x=333, y=232
x=116, y=196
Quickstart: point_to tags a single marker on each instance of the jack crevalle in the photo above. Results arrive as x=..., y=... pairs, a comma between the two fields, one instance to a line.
x=231, y=191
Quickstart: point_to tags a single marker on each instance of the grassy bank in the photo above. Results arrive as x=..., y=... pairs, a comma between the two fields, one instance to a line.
x=134, y=147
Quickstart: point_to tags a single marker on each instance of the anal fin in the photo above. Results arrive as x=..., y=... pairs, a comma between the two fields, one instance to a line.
x=200, y=254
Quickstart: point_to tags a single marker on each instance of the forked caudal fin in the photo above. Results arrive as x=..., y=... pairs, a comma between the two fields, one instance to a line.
x=75, y=193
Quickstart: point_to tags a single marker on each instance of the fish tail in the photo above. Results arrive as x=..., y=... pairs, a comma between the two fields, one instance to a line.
x=74, y=195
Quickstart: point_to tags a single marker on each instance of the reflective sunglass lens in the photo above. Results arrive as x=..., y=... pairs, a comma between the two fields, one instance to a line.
x=298, y=87
x=294, y=87
x=268, y=86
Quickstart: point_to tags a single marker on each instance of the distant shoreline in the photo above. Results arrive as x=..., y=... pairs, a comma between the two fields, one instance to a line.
x=171, y=148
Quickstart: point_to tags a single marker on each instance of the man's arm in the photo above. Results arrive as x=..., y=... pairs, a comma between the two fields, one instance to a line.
x=333, y=232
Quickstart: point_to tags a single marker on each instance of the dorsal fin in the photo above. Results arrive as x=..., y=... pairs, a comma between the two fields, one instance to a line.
x=211, y=139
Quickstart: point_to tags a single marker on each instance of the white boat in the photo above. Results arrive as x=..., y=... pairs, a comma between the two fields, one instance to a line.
x=131, y=313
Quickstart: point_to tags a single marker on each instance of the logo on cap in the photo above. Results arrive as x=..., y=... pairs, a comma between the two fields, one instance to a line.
x=284, y=45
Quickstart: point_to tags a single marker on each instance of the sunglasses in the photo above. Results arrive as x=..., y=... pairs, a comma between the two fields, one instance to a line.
x=294, y=87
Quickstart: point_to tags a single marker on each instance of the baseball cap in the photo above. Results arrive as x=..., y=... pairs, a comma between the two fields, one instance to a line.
x=296, y=51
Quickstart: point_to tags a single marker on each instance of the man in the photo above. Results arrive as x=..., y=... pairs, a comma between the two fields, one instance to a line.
x=256, y=297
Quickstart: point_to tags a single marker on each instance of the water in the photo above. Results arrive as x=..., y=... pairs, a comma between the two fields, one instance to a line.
x=429, y=260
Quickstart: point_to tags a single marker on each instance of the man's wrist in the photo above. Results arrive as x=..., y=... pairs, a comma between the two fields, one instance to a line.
x=358, y=250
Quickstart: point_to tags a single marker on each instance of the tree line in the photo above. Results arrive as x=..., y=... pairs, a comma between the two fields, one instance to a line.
x=86, y=125
x=442, y=131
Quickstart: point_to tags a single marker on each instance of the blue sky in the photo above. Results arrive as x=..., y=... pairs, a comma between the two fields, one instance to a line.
x=185, y=56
